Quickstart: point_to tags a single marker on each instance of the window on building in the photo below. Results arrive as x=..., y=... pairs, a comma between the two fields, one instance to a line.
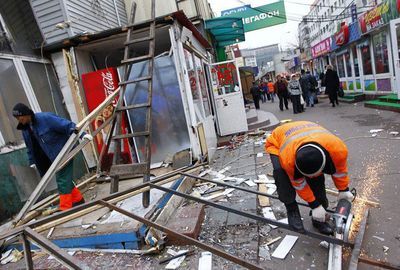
x=202, y=84
x=366, y=58
x=340, y=66
x=355, y=61
x=347, y=61
x=45, y=85
x=11, y=93
x=379, y=42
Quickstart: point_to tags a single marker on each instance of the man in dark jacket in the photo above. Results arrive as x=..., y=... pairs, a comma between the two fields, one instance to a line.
x=282, y=92
x=332, y=85
x=305, y=87
x=255, y=92
x=45, y=134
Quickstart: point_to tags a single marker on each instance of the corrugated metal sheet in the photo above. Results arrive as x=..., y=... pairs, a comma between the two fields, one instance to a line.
x=19, y=20
x=48, y=13
x=89, y=16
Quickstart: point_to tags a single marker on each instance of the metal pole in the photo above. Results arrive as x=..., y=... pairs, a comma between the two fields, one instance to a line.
x=27, y=252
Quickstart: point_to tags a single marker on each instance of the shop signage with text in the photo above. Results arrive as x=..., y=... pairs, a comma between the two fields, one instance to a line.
x=259, y=17
x=379, y=16
x=342, y=36
x=321, y=48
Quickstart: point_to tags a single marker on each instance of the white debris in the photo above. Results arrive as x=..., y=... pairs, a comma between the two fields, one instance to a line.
x=375, y=130
x=379, y=238
x=224, y=170
x=284, y=247
x=260, y=154
x=324, y=244
x=268, y=213
x=385, y=249
x=394, y=133
x=374, y=135
x=250, y=183
x=205, y=261
x=263, y=252
x=175, y=263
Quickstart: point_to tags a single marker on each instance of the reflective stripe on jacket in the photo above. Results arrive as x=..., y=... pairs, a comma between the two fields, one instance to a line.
x=286, y=139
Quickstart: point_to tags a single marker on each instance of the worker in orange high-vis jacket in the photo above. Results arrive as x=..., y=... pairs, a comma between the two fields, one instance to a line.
x=301, y=153
x=45, y=134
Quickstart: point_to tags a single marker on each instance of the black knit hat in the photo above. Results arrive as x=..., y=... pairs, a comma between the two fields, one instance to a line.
x=310, y=159
x=21, y=109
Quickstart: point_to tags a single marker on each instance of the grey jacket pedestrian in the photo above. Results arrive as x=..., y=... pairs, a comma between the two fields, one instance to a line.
x=294, y=87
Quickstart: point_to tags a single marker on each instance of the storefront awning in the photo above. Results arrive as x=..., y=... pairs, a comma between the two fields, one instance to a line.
x=226, y=30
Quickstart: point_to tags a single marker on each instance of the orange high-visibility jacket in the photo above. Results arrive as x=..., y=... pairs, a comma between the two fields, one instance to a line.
x=286, y=139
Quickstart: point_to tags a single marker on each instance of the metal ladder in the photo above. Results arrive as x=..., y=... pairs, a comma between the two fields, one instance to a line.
x=143, y=167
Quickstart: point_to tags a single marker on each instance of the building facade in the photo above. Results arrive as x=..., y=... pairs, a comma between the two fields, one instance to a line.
x=360, y=39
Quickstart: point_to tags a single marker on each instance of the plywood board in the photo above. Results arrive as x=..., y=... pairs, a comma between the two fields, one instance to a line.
x=284, y=247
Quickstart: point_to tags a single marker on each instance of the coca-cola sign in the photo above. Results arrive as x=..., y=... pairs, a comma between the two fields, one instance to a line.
x=342, y=36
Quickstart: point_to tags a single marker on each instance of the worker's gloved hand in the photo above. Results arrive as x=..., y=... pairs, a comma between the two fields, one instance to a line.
x=347, y=195
x=87, y=137
x=33, y=166
x=319, y=214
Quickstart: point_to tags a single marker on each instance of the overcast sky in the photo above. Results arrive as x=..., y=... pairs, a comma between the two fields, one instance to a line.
x=283, y=34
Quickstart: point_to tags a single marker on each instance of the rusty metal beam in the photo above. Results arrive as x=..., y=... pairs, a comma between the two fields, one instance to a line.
x=54, y=250
x=187, y=239
x=220, y=183
x=254, y=217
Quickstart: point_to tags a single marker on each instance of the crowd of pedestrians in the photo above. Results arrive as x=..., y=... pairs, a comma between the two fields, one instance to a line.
x=301, y=89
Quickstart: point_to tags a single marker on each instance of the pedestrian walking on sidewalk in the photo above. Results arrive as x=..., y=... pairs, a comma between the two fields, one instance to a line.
x=45, y=134
x=294, y=88
x=281, y=88
x=301, y=153
x=305, y=83
x=271, y=90
x=332, y=85
x=255, y=92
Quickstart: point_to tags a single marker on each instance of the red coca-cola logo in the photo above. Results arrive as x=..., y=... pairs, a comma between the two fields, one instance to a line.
x=109, y=85
x=342, y=36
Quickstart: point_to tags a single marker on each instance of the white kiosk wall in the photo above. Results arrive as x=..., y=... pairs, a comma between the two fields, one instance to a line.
x=228, y=98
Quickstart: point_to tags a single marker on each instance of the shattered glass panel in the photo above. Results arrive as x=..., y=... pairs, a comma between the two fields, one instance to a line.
x=170, y=133
x=11, y=93
x=46, y=88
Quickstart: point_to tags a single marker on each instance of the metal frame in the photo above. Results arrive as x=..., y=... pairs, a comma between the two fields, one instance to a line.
x=31, y=231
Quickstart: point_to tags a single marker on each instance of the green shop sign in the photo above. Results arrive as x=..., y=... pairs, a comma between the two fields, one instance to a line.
x=259, y=17
x=379, y=15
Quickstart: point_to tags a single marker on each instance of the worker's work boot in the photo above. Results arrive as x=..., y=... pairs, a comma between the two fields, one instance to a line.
x=323, y=227
x=294, y=217
x=78, y=203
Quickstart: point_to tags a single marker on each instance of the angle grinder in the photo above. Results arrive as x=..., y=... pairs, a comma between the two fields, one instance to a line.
x=343, y=217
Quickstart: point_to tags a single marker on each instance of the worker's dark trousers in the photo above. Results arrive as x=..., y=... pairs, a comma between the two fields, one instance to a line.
x=287, y=193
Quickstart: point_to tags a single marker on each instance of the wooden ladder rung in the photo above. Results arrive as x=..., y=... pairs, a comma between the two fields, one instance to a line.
x=138, y=40
x=137, y=59
x=134, y=106
x=129, y=169
x=140, y=79
x=131, y=135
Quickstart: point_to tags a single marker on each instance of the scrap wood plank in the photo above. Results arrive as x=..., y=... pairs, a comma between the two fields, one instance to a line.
x=263, y=200
x=284, y=247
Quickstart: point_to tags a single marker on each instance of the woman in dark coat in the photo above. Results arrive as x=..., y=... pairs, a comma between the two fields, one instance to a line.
x=332, y=85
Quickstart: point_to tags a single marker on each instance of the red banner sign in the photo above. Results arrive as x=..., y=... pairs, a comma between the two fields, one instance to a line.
x=342, y=36
x=321, y=48
x=98, y=86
